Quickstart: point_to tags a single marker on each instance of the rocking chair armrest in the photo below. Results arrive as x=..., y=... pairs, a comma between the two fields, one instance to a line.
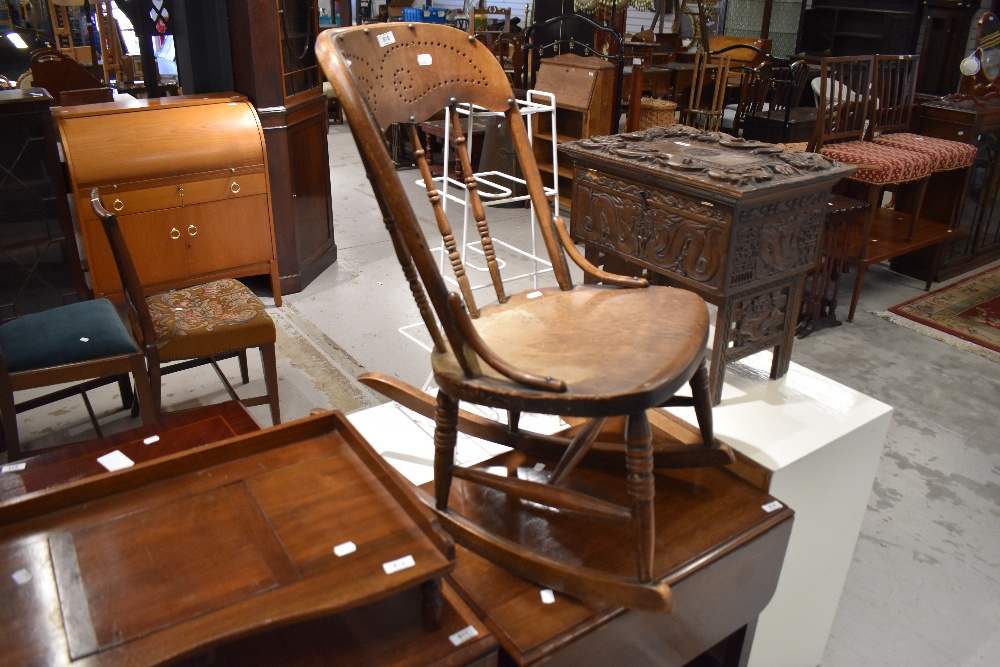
x=480, y=347
x=588, y=268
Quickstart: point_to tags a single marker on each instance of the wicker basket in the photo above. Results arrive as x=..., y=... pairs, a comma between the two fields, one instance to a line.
x=656, y=113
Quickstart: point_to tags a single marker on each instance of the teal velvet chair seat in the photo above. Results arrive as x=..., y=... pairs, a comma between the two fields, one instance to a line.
x=81, y=342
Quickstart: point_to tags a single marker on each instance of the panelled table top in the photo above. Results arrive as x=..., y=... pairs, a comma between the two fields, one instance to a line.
x=172, y=556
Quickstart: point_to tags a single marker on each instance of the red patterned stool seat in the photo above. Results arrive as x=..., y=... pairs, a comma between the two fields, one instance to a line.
x=883, y=164
x=948, y=154
x=210, y=319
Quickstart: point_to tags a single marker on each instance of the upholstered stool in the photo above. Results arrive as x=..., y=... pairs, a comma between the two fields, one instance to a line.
x=879, y=164
x=947, y=154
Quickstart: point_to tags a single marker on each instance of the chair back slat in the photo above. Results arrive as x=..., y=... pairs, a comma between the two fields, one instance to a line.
x=895, y=84
x=407, y=74
x=843, y=92
x=135, y=295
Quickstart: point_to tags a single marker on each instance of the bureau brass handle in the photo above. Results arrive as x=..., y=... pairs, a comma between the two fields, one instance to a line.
x=235, y=188
x=192, y=230
x=175, y=233
x=118, y=205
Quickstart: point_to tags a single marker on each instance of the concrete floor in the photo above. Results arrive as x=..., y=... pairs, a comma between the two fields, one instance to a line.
x=924, y=585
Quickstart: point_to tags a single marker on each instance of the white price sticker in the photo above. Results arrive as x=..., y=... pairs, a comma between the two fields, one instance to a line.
x=548, y=597
x=13, y=467
x=22, y=576
x=115, y=461
x=771, y=506
x=533, y=295
x=399, y=564
x=425, y=59
x=463, y=635
x=151, y=439
x=385, y=39
x=342, y=550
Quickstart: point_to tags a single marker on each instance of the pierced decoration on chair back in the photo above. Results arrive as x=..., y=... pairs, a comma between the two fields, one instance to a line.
x=409, y=78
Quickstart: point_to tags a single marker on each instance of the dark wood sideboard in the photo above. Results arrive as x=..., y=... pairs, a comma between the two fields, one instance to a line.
x=274, y=65
x=977, y=239
x=738, y=222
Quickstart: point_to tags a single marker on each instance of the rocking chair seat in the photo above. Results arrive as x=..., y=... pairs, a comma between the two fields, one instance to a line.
x=615, y=349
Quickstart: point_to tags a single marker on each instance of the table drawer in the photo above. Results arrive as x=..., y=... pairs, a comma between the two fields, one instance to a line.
x=128, y=199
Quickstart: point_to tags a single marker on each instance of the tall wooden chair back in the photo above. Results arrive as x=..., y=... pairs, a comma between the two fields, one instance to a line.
x=554, y=350
x=708, y=92
x=844, y=95
x=770, y=92
x=895, y=86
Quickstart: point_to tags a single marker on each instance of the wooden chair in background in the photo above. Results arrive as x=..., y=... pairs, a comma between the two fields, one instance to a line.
x=195, y=325
x=769, y=104
x=708, y=92
x=845, y=96
x=57, y=73
x=554, y=350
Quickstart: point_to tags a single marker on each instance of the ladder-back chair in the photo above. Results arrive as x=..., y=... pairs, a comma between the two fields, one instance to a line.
x=708, y=92
x=590, y=351
x=845, y=99
x=895, y=87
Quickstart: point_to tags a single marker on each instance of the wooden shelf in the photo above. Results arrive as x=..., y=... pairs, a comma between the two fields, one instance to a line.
x=888, y=238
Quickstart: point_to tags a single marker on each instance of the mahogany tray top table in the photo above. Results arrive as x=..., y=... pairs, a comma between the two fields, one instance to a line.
x=170, y=557
x=738, y=222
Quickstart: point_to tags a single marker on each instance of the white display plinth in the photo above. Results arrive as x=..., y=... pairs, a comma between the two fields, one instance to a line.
x=821, y=443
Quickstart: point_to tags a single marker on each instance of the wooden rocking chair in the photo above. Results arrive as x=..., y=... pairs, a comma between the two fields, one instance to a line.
x=593, y=351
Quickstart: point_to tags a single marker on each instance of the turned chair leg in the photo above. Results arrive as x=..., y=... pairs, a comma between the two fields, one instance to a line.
x=445, y=437
x=639, y=460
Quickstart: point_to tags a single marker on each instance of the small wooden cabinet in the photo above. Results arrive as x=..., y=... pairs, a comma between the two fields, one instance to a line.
x=584, y=97
x=187, y=177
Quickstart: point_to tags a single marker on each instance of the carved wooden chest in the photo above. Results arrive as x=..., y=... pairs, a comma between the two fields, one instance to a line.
x=736, y=221
x=187, y=177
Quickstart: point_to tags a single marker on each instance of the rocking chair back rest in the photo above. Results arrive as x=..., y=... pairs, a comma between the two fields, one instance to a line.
x=895, y=85
x=844, y=95
x=407, y=73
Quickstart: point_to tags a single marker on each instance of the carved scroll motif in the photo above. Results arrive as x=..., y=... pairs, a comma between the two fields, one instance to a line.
x=660, y=237
x=775, y=246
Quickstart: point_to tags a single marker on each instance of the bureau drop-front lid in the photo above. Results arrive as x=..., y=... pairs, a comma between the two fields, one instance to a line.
x=713, y=161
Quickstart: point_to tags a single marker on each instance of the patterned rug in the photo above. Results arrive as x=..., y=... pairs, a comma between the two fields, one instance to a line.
x=968, y=310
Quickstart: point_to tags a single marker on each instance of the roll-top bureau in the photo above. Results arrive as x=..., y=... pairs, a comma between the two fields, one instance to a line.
x=187, y=177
